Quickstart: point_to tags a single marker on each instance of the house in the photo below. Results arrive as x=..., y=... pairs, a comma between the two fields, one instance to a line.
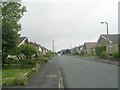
x=89, y=47
x=41, y=50
x=35, y=45
x=44, y=50
x=22, y=40
x=38, y=47
x=114, y=42
x=75, y=50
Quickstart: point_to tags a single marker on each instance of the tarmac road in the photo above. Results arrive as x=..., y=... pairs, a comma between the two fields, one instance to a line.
x=83, y=73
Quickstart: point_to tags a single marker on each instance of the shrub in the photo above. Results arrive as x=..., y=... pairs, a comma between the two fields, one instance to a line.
x=27, y=50
x=28, y=63
x=104, y=54
x=12, y=60
x=48, y=54
x=99, y=50
x=45, y=59
x=39, y=60
x=75, y=53
x=116, y=55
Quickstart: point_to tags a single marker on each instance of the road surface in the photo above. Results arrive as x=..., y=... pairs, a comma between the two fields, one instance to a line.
x=83, y=73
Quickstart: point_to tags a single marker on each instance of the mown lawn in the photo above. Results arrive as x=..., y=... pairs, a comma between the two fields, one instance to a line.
x=12, y=73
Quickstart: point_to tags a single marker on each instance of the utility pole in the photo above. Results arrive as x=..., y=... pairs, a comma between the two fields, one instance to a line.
x=70, y=46
x=53, y=46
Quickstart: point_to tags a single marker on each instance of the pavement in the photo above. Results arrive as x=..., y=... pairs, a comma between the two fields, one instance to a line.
x=113, y=62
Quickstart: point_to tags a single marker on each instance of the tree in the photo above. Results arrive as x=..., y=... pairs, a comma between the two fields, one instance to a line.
x=27, y=50
x=12, y=12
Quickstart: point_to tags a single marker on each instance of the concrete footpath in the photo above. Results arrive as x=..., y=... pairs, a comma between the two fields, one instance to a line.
x=47, y=76
x=100, y=60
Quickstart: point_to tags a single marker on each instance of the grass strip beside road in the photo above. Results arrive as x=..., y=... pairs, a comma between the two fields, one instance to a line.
x=13, y=73
x=9, y=75
x=0, y=78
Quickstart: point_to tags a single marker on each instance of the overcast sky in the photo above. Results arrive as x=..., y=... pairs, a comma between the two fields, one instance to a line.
x=68, y=21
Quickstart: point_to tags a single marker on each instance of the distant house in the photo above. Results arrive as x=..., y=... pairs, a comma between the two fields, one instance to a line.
x=114, y=42
x=35, y=45
x=75, y=50
x=89, y=47
x=22, y=40
x=44, y=50
x=41, y=50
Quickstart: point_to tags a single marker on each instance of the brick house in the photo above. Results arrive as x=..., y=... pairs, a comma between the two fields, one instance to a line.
x=89, y=47
x=114, y=42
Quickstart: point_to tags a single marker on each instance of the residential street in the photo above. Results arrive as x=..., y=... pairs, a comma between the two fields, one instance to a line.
x=60, y=44
x=76, y=73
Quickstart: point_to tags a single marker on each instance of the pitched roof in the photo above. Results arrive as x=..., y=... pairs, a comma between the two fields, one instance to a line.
x=35, y=44
x=90, y=44
x=114, y=38
x=21, y=39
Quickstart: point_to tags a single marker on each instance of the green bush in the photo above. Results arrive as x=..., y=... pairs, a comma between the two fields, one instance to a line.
x=45, y=59
x=116, y=55
x=12, y=60
x=104, y=55
x=27, y=50
x=28, y=63
x=39, y=60
x=48, y=54
x=99, y=50
x=75, y=53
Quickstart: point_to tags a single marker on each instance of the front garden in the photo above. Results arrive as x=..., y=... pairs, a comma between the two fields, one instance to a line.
x=17, y=70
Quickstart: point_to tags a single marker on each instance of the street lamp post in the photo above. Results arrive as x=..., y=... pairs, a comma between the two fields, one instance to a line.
x=107, y=40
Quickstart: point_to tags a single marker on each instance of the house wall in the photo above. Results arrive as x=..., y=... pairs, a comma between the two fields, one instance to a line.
x=112, y=46
x=102, y=42
x=91, y=51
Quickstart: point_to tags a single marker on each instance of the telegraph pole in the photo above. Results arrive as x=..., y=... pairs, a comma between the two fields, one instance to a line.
x=70, y=46
x=53, y=46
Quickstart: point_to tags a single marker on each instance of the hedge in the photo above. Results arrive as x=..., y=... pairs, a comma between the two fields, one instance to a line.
x=116, y=55
x=99, y=50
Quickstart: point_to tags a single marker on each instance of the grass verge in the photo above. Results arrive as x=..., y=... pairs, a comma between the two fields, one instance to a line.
x=11, y=76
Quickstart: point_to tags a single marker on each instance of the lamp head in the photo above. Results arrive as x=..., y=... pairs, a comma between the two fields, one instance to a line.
x=102, y=22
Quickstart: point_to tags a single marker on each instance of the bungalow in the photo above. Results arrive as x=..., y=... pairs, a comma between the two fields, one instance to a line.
x=89, y=47
x=22, y=40
x=35, y=45
x=75, y=50
x=44, y=50
x=113, y=42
